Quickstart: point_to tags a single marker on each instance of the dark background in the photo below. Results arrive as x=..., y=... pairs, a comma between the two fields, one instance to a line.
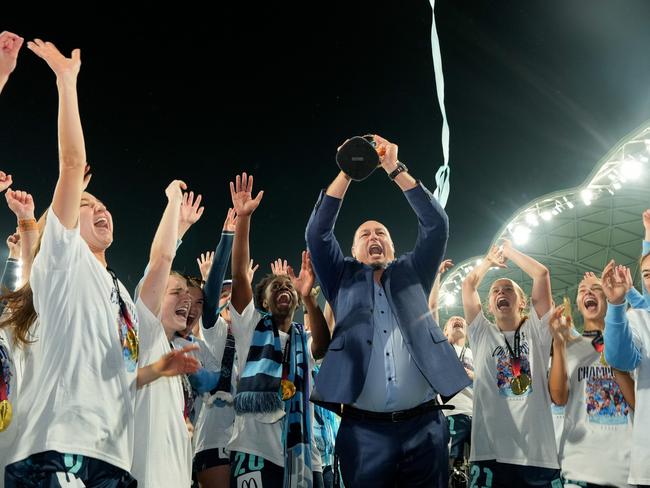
x=536, y=93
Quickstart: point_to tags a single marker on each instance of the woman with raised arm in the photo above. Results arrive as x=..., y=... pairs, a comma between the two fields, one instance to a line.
x=272, y=441
x=627, y=335
x=163, y=446
x=513, y=442
x=84, y=371
x=597, y=411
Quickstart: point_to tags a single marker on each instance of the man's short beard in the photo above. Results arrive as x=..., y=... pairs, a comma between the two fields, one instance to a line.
x=378, y=266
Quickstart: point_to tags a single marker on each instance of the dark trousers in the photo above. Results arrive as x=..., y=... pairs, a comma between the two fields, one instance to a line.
x=412, y=453
x=51, y=469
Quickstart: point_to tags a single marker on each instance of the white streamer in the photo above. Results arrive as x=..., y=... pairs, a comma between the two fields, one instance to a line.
x=442, y=175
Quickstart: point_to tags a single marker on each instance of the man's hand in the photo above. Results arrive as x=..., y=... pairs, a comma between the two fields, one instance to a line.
x=13, y=243
x=387, y=153
x=614, y=283
x=21, y=204
x=304, y=282
x=64, y=68
x=241, y=194
x=205, y=263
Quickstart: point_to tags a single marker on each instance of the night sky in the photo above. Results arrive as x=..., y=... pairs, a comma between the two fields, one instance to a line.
x=536, y=93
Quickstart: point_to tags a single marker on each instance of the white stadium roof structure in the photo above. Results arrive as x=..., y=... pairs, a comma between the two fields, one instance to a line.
x=575, y=230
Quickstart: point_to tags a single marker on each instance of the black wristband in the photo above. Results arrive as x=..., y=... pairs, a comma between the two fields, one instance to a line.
x=401, y=167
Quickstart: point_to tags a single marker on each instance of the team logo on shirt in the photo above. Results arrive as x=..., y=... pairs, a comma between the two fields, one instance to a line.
x=604, y=400
x=505, y=373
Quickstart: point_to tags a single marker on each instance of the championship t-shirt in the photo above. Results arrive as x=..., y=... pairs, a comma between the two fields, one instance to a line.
x=214, y=418
x=82, y=387
x=512, y=425
x=597, y=436
x=163, y=447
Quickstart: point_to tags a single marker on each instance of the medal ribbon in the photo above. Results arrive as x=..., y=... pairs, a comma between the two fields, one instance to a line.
x=124, y=312
x=515, y=356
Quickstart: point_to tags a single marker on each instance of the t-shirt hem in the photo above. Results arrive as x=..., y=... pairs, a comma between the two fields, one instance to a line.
x=70, y=449
x=208, y=447
x=255, y=452
x=519, y=462
x=570, y=475
x=638, y=481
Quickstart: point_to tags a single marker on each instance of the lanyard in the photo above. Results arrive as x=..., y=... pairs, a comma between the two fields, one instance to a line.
x=515, y=355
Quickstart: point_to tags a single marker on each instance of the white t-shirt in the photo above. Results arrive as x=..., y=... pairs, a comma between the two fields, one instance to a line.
x=214, y=420
x=261, y=434
x=597, y=436
x=639, y=465
x=509, y=428
x=163, y=447
x=463, y=401
x=81, y=395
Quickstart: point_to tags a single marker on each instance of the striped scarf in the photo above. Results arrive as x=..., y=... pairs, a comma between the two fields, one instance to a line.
x=259, y=392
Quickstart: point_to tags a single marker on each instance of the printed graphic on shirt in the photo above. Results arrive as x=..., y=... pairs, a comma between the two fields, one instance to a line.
x=5, y=374
x=603, y=398
x=505, y=374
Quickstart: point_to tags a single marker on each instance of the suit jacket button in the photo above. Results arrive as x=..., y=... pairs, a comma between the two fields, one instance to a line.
x=369, y=343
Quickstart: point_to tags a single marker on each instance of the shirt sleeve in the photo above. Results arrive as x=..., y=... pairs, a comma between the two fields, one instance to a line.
x=635, y=299
x=150, y=330
x=243, y=327
x=541, y=326
x=215, y=338
x=214, y=282
x=477, y=329
x=621, y=350
x=60, y=247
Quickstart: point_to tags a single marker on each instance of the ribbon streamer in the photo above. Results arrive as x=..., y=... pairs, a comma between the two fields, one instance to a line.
x=442, y=175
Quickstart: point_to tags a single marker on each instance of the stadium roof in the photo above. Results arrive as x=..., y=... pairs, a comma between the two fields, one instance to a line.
x=575, y=230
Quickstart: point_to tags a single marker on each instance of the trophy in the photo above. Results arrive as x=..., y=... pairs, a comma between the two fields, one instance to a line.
x=358, y=157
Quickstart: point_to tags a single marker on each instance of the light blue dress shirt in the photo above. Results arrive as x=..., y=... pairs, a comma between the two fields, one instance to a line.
x=393, y=382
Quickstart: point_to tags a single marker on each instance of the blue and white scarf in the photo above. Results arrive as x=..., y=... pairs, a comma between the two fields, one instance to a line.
x=259, y=391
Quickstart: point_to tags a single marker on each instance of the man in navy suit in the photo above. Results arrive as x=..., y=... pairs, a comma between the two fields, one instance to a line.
x=388, y=359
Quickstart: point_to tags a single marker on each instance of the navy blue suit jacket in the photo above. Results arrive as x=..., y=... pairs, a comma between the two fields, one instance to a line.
x=348, y=287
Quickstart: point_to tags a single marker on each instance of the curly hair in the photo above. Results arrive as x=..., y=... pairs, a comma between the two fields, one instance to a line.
x=258, y=295
x=260, y=288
